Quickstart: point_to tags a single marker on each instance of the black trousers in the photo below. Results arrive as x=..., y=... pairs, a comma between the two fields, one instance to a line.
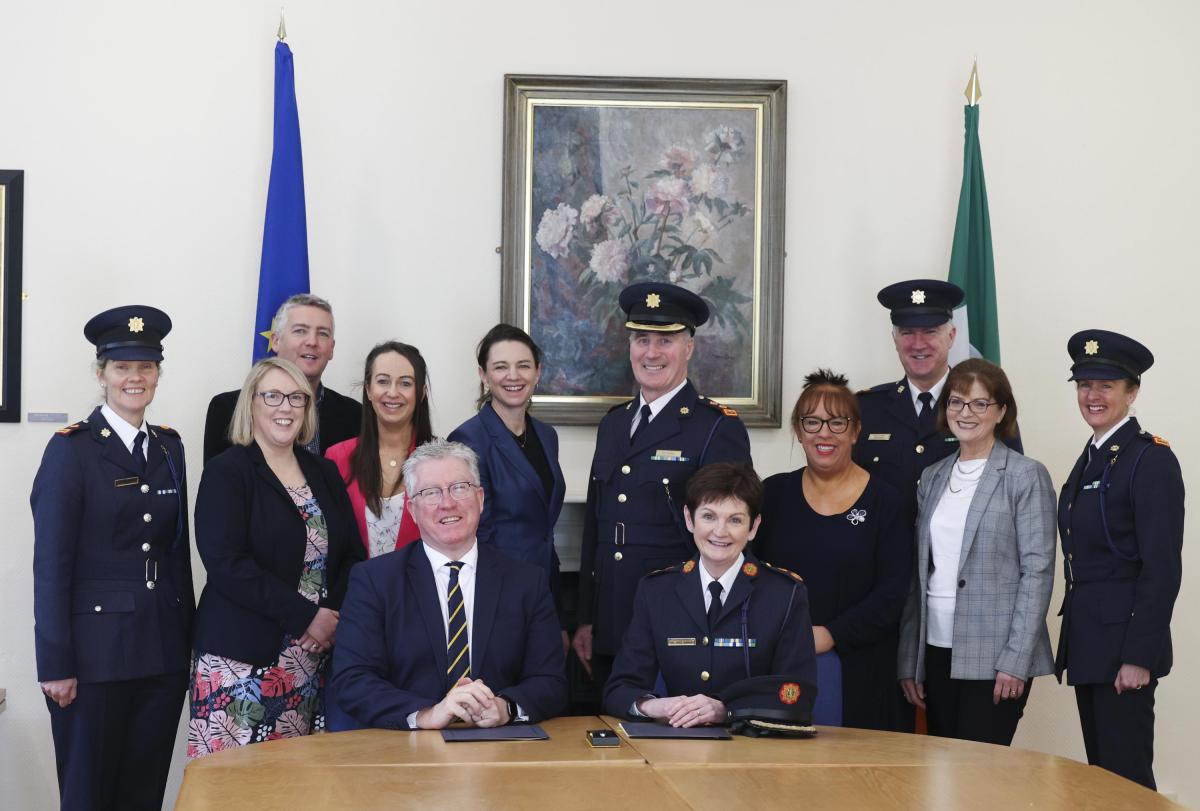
x=963, y=708
x=1118, y=730
x=113, y=743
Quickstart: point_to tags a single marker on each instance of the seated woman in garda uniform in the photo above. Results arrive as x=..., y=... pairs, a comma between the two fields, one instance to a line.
x=716, y=619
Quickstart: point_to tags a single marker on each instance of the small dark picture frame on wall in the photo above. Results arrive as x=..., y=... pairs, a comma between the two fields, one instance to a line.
x=12, y=198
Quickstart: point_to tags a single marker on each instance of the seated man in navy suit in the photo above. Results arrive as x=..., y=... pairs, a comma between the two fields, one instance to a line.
x=446, y=630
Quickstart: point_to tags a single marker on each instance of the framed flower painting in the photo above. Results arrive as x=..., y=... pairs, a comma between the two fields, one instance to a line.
x=612, y=181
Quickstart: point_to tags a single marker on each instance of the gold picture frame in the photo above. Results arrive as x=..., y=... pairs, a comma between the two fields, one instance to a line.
x=12, y=197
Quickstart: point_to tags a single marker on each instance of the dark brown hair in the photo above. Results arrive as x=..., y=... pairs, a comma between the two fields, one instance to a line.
x=992, y=378
x=364, y=461
x=722, y=480
x=498, y=334
x=828, y=387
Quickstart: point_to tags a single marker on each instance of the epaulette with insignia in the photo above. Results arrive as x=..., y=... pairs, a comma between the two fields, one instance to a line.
x=1160, y=441
x=166, y=429
x=880, y=388
x=625, y=404
x=72, y=428
x=686, y=567
x=785, y=572
x=724, y=409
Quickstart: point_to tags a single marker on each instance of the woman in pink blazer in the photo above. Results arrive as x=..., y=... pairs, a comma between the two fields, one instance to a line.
x=395, y=421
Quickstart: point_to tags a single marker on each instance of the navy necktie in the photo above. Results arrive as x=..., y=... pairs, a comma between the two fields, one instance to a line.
x=458, y=652
x=714, y=607
x=925, y=416
x=139, y=456
x=642, y=423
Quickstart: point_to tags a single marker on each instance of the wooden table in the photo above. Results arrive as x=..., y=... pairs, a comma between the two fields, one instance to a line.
x=840, y=768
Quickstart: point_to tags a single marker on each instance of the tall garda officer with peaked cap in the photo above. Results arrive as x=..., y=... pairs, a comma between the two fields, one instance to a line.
x=113, y=598
x=1120, y=518
x=646, y=450
x=899, y=419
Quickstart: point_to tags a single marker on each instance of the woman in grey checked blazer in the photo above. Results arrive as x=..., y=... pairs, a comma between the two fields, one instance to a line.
x=973, y=633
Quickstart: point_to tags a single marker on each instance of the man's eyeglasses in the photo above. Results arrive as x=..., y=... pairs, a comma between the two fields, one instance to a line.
x=275, y=398
x=433, y=495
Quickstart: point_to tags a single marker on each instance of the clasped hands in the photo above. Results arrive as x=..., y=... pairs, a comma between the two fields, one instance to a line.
x=319, y=635
x=470, y=701
x=684, y=711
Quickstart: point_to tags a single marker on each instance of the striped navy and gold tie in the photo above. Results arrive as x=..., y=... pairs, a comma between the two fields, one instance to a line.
x=458, y=651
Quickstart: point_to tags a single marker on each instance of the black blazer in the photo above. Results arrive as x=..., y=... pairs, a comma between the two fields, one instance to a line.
x=252, y=540
x=338, y=418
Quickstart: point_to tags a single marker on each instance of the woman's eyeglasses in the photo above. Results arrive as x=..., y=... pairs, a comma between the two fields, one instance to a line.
x=979, y=407
x=275, y=398
x=837, y=425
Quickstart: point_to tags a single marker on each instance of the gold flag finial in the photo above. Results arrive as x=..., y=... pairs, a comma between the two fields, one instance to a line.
x=973, y=93
x=282, y=32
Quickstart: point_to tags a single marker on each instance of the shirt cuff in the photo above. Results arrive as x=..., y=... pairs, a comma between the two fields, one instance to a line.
x=412, y=720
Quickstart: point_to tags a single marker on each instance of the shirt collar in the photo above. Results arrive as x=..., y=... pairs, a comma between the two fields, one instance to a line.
x=124, y=430
x=1099, y=443
x=726, y=580
x=936, y=391
x=437, y=560
x=660, y=403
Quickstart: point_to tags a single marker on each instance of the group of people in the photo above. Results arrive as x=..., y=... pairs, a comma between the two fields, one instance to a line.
x=361, y=572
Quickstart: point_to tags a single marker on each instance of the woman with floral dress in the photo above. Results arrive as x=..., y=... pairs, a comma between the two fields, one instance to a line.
x=276, y=532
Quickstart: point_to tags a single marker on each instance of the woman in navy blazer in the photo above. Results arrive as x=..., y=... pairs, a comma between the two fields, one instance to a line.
x=518, y=455
x=277, y=535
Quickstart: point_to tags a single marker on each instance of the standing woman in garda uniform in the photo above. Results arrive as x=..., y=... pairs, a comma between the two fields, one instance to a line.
x=646, y=450
x=1120, y=519
x=113, y=598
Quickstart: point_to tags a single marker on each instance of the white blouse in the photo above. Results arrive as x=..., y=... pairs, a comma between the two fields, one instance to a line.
x=946, y=530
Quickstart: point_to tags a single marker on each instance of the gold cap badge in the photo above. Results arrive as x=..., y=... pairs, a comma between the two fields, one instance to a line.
x=918, y=297
x=136, y=324
x=1091, y=347
x=684, y=410
x=653, y=300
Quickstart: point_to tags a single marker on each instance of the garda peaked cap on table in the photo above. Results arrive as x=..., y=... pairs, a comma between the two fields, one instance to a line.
x=1098, y=354
x=771, y=705
x=133, y=332
x=661, y=307
x=921, y=302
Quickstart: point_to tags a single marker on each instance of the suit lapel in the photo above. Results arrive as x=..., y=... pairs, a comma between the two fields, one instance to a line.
x=666, y=424
x=114, y=449
x=550, y=445
x=264, y=471
x=691, y=598
x=993, y=472
x=743, y=587
x=487, y=597
x=429, y=602
x=502, y=440
x=937, y=487
x=1075, y=479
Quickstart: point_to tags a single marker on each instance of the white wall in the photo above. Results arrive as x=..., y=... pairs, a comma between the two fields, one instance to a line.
x=144, y=129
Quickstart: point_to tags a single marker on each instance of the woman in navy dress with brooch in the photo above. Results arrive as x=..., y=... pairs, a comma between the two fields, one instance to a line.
x=1120, y=519
x=518, y=455
x=714, y=620
x=112, y=597
x=848, y=534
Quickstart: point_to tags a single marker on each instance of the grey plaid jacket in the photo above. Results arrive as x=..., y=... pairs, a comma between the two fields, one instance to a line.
x=1005, y=574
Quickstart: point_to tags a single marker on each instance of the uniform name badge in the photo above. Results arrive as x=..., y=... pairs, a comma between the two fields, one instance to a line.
x=129, y=482
x=1093, y=486
x=735, y=642
x=681, y=641
x=668, y=456
x=884, y=437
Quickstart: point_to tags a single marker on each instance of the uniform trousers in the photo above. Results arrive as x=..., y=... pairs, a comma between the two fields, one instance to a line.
x=113, y=743
x=1118, y=730
x=963, y=708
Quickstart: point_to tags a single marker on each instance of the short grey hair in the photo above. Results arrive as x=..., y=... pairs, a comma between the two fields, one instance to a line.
x=950, y=324
x=299, y=300
x=438, y=449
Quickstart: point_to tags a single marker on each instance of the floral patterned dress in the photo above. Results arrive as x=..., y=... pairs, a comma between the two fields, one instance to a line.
x=233, y=703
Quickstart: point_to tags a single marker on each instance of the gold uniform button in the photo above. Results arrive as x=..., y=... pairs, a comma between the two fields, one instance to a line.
x=97, y=609
x=666, y=481
x=920, y=449
x=617, y=556
x=146, y=547
x=145, y=488
x=706, y=640
x=625, y=469
x=876, y=459
x=146, y=518
x=1068, y=530
x=150, y=585
x=622, y=498
x=1070, y=556
x=703, y=675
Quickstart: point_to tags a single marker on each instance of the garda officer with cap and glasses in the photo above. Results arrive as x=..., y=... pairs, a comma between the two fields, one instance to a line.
x=646, y=450
x=1120, y=518
x=113, y=599
x=899, y=435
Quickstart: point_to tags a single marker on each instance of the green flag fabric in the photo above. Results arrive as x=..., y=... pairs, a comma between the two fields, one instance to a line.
x=971, y=265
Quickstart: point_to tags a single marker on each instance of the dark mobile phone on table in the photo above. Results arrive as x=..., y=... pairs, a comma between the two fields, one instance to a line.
x=602, y=737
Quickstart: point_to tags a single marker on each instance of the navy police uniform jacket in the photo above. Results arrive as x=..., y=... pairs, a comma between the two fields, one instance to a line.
x=892, y=445
x=1121, y=583
x=633, y=524
x=763, y=629
x=112, y=573
x=390, y=657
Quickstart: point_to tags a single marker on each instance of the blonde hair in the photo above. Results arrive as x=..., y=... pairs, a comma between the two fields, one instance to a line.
x=241, y=427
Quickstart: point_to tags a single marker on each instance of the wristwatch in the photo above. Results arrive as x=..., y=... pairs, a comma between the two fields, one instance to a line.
x=512, y=708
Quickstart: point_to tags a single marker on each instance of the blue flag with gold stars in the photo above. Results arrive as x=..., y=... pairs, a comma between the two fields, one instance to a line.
x=284, y=268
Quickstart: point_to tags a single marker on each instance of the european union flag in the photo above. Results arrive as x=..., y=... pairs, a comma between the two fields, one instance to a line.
x=284, y=269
